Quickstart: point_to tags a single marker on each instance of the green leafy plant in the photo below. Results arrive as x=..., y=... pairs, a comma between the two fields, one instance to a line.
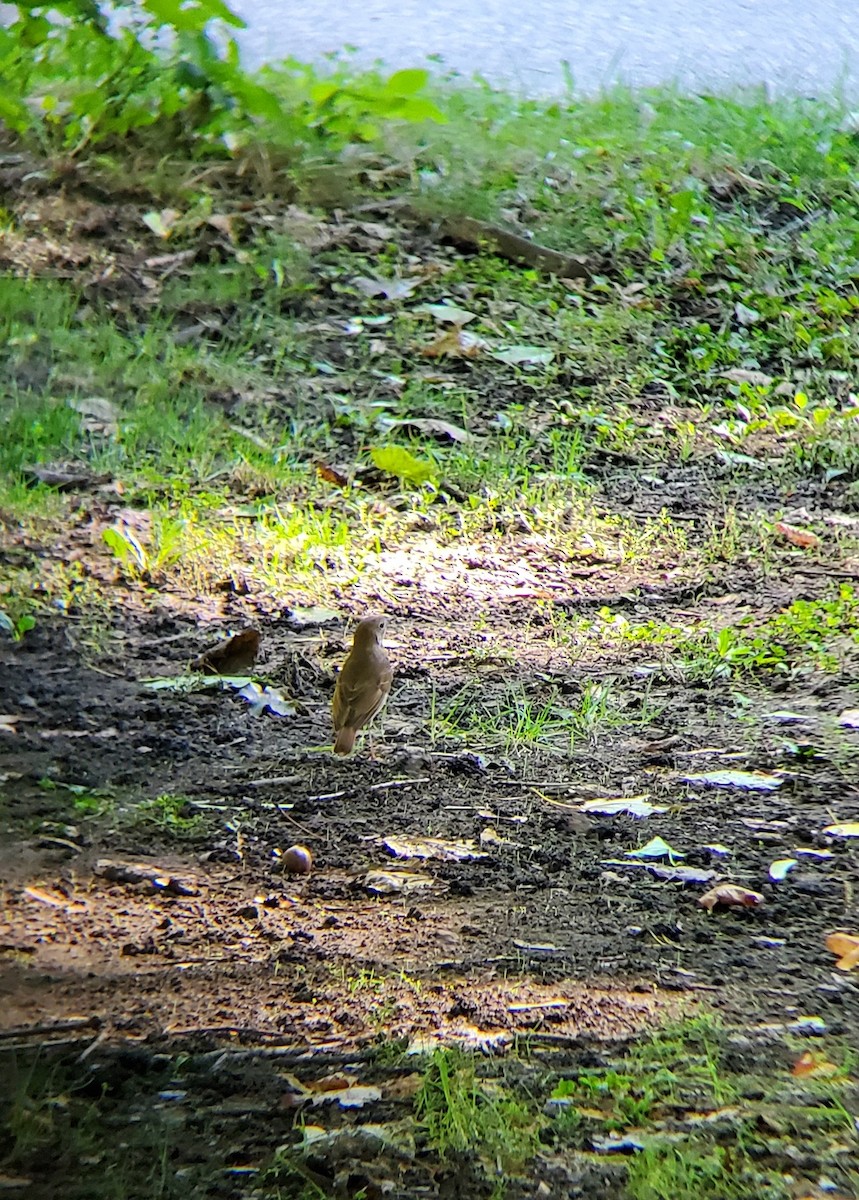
x=75, y=80
x=16, y=627
x=396, y=460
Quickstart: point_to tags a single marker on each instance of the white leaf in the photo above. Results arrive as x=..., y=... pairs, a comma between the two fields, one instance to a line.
x=751, y=781
x=635, y=806
x=447, y=313
x=655, y=848
x=779, y=869
x=514, y=355
x=432, y=848
x=849, y=718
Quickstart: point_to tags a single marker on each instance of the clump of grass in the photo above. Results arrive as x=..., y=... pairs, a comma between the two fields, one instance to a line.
x=170, y=816
x=463, y=1114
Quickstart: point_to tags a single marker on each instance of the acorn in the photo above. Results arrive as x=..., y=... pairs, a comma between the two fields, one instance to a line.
x=297, y=860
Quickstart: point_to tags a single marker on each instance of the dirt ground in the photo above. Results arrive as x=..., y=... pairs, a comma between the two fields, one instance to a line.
x=547, y=904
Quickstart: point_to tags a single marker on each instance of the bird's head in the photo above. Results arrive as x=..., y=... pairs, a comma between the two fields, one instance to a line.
x=370, y=630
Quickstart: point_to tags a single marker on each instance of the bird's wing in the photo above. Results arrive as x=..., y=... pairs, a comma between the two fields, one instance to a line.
x=356, y=705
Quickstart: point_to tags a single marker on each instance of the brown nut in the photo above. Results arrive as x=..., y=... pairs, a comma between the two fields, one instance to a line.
x=297, y=860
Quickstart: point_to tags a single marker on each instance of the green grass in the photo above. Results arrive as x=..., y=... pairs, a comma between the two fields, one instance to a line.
x=463, y=1115
x=686, y=1068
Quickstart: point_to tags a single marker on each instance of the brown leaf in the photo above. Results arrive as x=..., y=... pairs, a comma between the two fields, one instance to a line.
x=454, y=343
x=231, y=657
x=331, y=475
x=803, y=538
x=846, y=946
x=810, y=1065
x=730, y=894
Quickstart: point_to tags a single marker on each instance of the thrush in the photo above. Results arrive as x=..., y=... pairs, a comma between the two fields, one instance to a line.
x=362, y=685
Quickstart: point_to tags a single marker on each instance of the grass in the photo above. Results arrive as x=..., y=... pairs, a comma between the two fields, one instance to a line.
x=462, y=1115
x=686, y=1068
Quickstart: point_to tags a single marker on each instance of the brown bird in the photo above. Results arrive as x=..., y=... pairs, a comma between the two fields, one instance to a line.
x=363, y=683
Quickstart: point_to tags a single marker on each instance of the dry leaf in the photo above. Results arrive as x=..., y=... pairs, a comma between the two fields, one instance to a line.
x=233, y=656
x=846, y=946
x=845, y=829
x=331, y=475
x=810, y=1066
x=803, y=538
x=391, y=289
x=429, y=847
x=389, y=883
x=455, y=343
x=751, y=781
x=730, y=895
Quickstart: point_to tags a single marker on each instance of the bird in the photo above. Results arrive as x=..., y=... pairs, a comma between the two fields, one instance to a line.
x=363, y=683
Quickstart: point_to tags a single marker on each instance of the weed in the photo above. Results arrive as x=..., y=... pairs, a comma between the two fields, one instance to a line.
x=462, y=1114
x=668, y=1172
x=166, y=815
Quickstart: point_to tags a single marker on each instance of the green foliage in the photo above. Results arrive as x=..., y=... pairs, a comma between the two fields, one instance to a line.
x=167, y=815
x=465, y=1115
x=396, y=460
x=344, y=106
x=16, y=626
x=73, y=80
x=667, y=1172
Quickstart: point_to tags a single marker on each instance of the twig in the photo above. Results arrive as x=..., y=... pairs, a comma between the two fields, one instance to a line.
x=396, y=783
x=274, y=781
x=59, y=1027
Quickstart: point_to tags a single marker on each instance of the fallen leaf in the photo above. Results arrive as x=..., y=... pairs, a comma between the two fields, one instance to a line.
x=780, y=868
x=803, y=538
x=849, y=719
x=306, y=618
x=224, y=223
x=635, y=806
x=846, y=946
x=454, y=343
x=730, y=895
x=517, y=355
x=331, y=475
x=432, y=426
x=746, y=315
x=680, y=874
x=184, y=684
x=231, y=656
x=655, y=848
x=755, y=378
x=269, y=698
x=8, y=723
x=845, y=829
x=396, y=460
x=62, y=476
x=136, y=873
x=811, y=1066
x=447, y=313
x=391, y=289
x=754, y=781
x=350, y=1097
x=161, y=223
x=812, y=852
x=99, y=415
x=447, y=851
x=387, y=883
x=784, y=717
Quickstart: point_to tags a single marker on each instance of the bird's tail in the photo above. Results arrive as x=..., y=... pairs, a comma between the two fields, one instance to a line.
x=345, y=741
